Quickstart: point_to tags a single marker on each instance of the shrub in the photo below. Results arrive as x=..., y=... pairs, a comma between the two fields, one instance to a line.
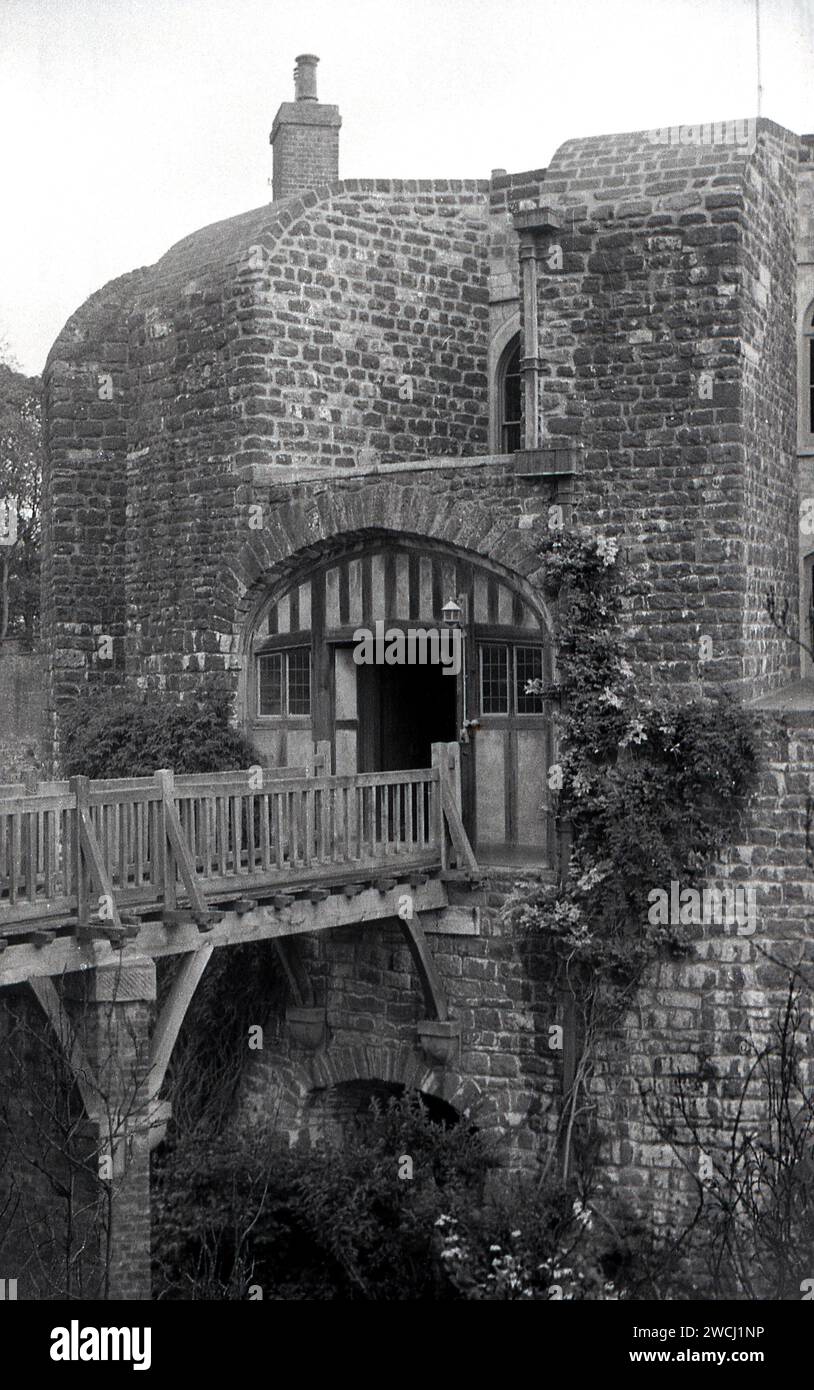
x=345, y=1223
x=329, y=1222
x=647, y=788
x=121, y=736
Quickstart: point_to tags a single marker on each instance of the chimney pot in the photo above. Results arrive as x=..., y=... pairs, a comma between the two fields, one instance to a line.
x=305, y=77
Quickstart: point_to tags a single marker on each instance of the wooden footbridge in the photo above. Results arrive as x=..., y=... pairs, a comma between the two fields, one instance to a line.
x=172, y=864
x=108, y=876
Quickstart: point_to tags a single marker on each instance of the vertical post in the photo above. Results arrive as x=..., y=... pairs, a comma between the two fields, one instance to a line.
x=322, y=758
x=165, y=781
x=440, y=759
x=529, y=364
x=321, y=663
x=453, y=769
x=32, y=830
x=325, y=826
x=80, y=789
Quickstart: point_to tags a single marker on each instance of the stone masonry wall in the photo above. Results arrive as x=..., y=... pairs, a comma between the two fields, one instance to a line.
x=347, y=327
x=668, y=357
x=84, y=495
x=507, y=1078
x=768, y=401
x=699, y=1023
x=805, y=438
x=24, y=732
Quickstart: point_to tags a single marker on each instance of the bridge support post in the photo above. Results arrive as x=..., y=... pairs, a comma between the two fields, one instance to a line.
x=112, y=1010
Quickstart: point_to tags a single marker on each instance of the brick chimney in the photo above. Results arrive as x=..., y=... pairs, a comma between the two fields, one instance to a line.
x=305, y=136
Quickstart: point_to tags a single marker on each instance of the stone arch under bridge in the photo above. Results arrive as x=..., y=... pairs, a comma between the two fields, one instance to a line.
x=288, y=1087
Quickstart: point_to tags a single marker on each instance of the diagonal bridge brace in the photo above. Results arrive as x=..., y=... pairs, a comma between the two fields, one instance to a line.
x=180, y=856
x=435, y=999
x=89, y=857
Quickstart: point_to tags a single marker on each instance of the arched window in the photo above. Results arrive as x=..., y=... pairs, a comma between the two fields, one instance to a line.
x=809, y=371
x=510, y=396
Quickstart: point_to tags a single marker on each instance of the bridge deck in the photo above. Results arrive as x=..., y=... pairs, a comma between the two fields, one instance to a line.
x=106, y=860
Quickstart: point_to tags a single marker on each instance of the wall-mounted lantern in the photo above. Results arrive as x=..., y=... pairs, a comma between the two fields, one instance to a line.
x=454, y=615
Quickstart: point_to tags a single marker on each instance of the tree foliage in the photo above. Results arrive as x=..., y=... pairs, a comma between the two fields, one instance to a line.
x=646, y=790
x=21, y=456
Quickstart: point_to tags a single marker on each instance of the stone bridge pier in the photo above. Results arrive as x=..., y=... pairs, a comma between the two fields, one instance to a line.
x=112, y=1009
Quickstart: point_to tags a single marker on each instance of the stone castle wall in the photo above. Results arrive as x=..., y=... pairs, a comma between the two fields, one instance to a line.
x=345, y=328
x=24, y=730
x=668, y=354
x=698, y=1024
x=356, y=327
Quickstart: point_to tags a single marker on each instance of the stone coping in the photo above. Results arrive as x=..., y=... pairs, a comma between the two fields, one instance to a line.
x=277, y=473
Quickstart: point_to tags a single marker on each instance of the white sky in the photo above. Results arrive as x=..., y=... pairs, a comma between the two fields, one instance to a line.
x=127, y=124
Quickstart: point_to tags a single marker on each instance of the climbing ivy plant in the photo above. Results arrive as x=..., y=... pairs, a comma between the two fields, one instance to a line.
x=645, y=790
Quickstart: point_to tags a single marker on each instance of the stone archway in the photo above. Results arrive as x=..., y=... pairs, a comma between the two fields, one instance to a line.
x=333, y=1112
x=287, y=1080
x=302, y=529
x=366, y=722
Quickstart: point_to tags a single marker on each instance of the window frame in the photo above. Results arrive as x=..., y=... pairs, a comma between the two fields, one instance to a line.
x=510, y=648
x=513, y=349
x=808, y=373
x=284, y=653
x=504, y=648
x=527, y=713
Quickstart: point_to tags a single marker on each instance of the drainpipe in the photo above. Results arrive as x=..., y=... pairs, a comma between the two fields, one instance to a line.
x=536, y=226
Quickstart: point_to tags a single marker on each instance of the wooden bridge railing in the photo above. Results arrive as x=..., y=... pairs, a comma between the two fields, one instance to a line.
x=93, y=852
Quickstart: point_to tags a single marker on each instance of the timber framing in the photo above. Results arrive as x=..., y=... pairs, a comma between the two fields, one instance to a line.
x=266, y=922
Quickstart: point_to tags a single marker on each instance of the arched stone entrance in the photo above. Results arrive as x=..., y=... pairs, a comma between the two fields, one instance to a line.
x=347, y=642
x=333, y=1112
x=296, y=1092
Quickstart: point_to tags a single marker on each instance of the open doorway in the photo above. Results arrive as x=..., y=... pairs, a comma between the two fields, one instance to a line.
x=403, y=710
